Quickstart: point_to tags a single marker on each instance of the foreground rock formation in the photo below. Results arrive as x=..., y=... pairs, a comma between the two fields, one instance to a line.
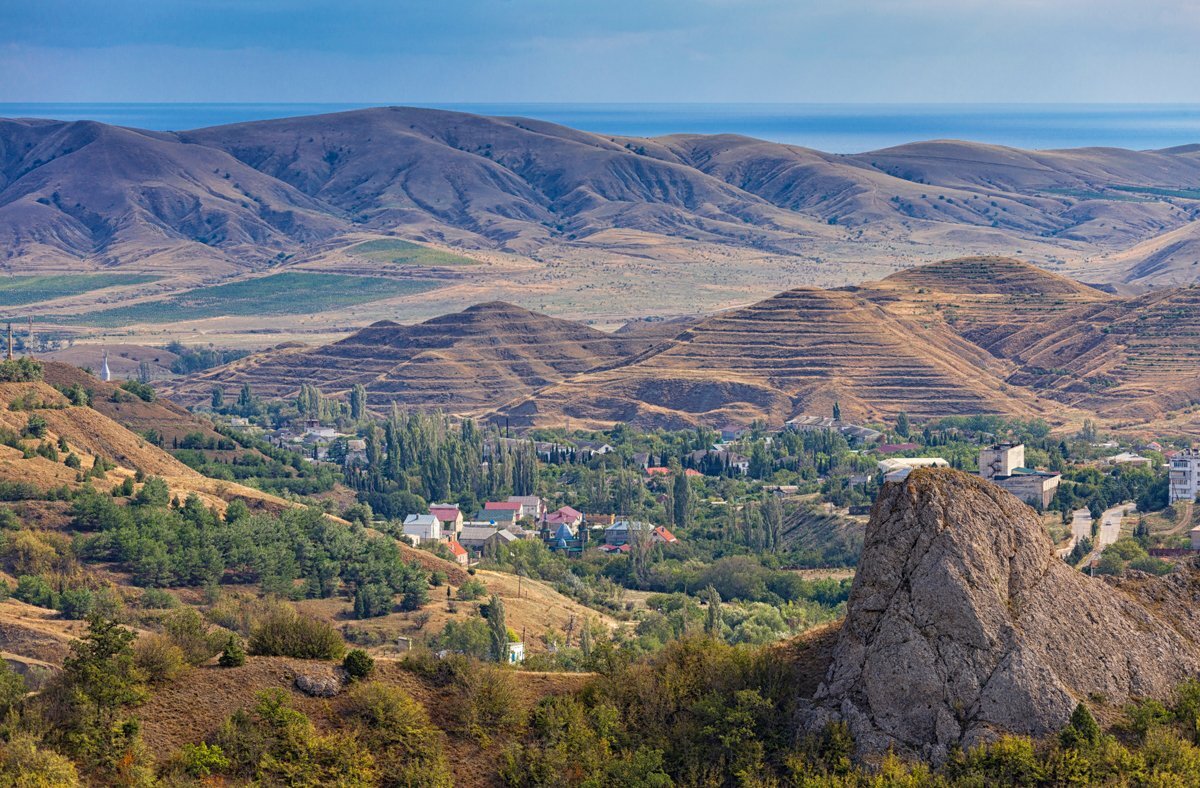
x=962, y=624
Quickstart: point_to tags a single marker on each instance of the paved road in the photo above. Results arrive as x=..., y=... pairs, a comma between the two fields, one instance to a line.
x=1081, y=527
x=1110, y=525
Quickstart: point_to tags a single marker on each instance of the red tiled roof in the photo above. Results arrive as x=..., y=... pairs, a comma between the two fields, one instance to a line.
x=692, y=472
x=502, y=506
x=665, y=535
x=445, y=512
x=892, y=448
x=456, y=548
x=657, y=470
x=570, y=512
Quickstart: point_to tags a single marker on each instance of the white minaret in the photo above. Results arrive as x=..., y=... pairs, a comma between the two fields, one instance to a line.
x=105, y=372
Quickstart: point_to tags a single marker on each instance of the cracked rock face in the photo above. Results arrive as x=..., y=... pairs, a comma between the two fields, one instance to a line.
x=962, y=624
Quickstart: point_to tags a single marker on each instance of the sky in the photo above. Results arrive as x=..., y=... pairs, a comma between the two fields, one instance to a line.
x=462, y=51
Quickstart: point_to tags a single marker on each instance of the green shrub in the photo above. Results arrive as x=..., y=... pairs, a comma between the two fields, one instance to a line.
x=187, y=629
x=20, y=370
x=35, y=427
x=160, y=658
x=233, y=655
x=358, y=663
x=471, y=589
x=202, y=760
x=75, y=603
x=158, y=599
x=283, y=632
x=23, y=763
x=407, y=747
x=143, y=391
x=34, y=590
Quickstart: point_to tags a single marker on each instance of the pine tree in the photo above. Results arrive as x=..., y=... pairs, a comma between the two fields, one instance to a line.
x=712, y=617
x=358, y=401
x=497, y=628
x=682, y=494
x=837, y=411
x=218, y=398
x=902, y=427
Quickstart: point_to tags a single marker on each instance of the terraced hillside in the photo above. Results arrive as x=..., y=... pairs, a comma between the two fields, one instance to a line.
x=1136, y=358
x=1119, y=357
x=799, y=352
x=983, y=299
x=467, y=362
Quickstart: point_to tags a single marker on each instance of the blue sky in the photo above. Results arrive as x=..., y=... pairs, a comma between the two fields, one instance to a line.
x=444, y=51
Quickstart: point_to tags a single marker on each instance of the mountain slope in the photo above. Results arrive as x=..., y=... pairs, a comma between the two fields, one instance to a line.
x=798, y=352
x=109, y=195
x=215, y=201
x=466, y=363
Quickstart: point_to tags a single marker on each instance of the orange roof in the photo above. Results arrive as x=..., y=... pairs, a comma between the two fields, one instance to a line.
x=456, y=548
x=665, y=535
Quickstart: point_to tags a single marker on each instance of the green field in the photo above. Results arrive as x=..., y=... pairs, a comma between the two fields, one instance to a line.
x=391, y=250
x=1186, y=194
x=23, y=290
x=278, y=294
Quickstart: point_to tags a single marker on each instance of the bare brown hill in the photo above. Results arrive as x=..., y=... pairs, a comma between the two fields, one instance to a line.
x=104, y=194
x=984, y=299
x=1121, y=357
x=962, y=625
x=1132, y=359
x=798, y=352
x=465, y=363
x=219, y=200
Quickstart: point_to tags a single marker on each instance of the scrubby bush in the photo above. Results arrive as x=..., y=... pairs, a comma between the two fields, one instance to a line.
x=286, y=633
x=35, y=427
x=407, y=748
x=202, y=760
x=160, y=658
x=158, y=599
x=471, y=589
x=23, y=763
x=198, y=641
x=358, y=663
x=274, y=744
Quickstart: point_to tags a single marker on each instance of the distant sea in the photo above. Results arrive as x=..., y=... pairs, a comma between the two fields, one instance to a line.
x=837, y=128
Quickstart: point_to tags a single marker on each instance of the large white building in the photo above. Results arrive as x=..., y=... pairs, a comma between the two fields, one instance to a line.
x=1185, y=476
x=1004, y=464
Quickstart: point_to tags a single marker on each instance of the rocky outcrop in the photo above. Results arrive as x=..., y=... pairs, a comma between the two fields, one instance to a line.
x=320, y=685
x=963, y=624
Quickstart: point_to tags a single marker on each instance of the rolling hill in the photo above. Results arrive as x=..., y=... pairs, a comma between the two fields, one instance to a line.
x=1127, y=358
x=965, y=336
x=799, y=352
x=223, y=200
x=468, y=362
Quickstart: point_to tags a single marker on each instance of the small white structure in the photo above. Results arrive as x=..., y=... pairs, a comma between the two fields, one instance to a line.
x=897, y=469
x=516, y=653
x=1184, y=478
x=423, y=527
x=1128, y=458
x=105, y=372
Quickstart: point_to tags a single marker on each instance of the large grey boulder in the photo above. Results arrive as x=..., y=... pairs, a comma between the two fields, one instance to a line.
x=963, y=624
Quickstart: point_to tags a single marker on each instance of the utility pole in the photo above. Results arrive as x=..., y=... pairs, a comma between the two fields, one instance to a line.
x=10, y=342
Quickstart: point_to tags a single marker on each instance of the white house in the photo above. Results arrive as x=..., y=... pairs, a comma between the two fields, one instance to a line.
x=423, y=527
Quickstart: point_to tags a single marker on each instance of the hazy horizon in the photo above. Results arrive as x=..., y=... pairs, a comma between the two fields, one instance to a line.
x=834, y=128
